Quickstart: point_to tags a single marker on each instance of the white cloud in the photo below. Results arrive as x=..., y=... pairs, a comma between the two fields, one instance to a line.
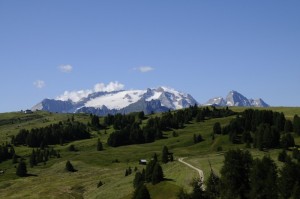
x=39, y=84
x=66, y=68
x=144, y=69
x=76, y=96
x=112, y=86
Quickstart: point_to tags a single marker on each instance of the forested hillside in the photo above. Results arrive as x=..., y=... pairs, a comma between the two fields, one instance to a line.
x=242, y=152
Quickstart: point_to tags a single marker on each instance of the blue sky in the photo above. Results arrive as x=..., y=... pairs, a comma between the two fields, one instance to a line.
x=205, y=48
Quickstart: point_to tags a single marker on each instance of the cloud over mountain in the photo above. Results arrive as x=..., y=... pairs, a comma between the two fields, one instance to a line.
x=77, y=95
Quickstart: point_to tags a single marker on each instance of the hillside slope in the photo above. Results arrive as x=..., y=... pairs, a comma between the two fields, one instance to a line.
x=52, y=181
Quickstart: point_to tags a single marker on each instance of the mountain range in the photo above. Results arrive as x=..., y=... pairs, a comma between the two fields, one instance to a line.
x=124, y=101
x=234, y=98
x=160, y=99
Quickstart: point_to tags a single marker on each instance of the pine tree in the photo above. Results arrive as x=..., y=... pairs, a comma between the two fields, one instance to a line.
x=235, y=174
x=33, y=160
x=15, y=159
x=138, y=180
x=283, y=156
x=198, y=192
x=296, y=191
x=69, y=167
x=296, y=124
x=217, y=128
x=149, y=171
x=157, y=175
x=195, y=139
x=21, y=169
x=289, y=175
x=165, y=154
x=288, y=126
x=263, y=178
x=100, y=183
x=99, y=145
x=213, y=185
x=141, y=193
x=287, y=141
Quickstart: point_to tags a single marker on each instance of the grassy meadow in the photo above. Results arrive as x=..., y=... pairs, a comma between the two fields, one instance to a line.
x=50, y=180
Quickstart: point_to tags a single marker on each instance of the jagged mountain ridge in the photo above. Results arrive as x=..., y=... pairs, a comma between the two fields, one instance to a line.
x=124, y=101
x=235, y=98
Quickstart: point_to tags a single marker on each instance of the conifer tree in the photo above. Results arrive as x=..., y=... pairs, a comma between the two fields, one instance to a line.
x=296, y=191
x=21, y=169
x=99, y=145
x=213, y=185
x=14, y=159
x=296, y=124
x=288, y=126
x=235, y=174
x=263, y=179
x=69, y=167
x=157, y=175
x=198, y=192
x=289, y=176
x=217, y=128
x=141, y=193
x=165, y=154
x=138, y=180
x=32, y=160
x=149, y=171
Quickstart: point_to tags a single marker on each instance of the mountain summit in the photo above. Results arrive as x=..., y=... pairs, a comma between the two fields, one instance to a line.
x=235, y=98
x=123, y=101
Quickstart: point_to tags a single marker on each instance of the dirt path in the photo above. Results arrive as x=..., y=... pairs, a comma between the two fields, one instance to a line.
x=191, y=166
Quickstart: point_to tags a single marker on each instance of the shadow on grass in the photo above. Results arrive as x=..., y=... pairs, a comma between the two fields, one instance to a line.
x=169, y=180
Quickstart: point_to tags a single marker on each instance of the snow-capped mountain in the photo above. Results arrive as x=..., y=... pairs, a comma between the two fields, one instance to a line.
x=123, y=101
x=234, y=98
x=219, y=101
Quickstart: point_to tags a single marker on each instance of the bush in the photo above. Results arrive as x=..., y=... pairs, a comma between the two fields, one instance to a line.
x=69, y=167
x=72, y=148
x=100, y=183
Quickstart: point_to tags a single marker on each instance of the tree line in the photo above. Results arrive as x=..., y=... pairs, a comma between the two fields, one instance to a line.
x=263, y=128
x=53, y=134
x=6, y=152
x=243, y=177
x=128, y=127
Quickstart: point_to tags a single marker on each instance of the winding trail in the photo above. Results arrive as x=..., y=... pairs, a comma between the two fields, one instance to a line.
x=191, y=166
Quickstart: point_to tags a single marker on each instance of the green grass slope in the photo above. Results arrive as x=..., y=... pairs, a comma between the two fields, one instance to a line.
x=52, y=181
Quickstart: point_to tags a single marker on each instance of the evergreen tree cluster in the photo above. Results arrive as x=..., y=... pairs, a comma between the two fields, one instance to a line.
x=128, y=171
x=54, y=134
x=95, y=121
x=243, y=177
x=296, y=124
x=42, y=155
x=263, y=128
x=6, y=152
x=128, y=130
x=154, y=172
x=197, y=138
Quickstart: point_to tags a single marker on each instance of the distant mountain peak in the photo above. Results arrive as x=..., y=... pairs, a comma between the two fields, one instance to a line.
x=234, y=98
x=122, y=101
